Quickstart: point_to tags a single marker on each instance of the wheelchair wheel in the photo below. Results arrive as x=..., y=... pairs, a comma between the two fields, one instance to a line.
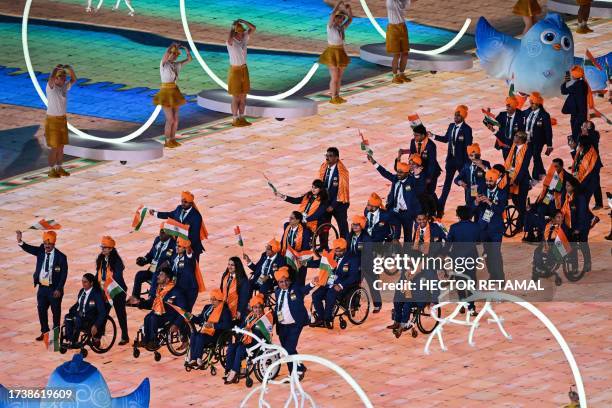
x=107, y=340
x=262, y=365
x=156, y=356
x=358, y=306
x=136, y=352
x=176, y=344
x=573, y=267
x=324, y=234
x=221, y=348
x=511, y=220
x=425, y=321
x=84, y=352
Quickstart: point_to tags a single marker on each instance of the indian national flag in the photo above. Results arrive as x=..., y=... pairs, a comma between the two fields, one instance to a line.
x=556, y=183
x=561, y=247
x=414, y=120
x=176, y=229
x=264, y=325
x=365, y=146
x=112, y=289
x=590, y=60
x=141, y=212
x=46, y=225
x=326, y=267
x=185, y=314
x=51, y=339
x=270, y=184
x=489, y=118
x=238, y=236
x=291, y=257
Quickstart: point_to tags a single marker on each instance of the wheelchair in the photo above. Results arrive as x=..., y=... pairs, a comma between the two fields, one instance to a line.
x=354, y=305
x=98, y=346
x=545, y=265
x=172, y=341
x=511, y=221
x=322, y=236
x=213, y=354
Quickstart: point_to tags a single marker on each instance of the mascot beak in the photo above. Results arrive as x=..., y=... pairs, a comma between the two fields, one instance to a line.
x=557, y=47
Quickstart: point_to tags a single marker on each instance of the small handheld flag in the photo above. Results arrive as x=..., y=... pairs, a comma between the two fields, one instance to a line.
x=414, y=120
x=46, y=225
x=185, y=314
x=238, y=236
x=176, y=229
x=264, y=326
x=270, y=184
x=365, y=145
x=51, y=339
x=489, y=118
x=139, y=216
x=292, y=256
x=111, y=289
x=326, y=268
x=561, y=247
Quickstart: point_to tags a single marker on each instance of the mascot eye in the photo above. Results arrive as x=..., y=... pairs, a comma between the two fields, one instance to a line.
x=566, y=43
x=547, y=37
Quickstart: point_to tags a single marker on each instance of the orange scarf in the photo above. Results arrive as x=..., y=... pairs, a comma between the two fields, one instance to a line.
x=298, y=239
x=426, y=238
x=203, y=230
x=546, y=184
x=423, y=145
x=158, y=303
x=343, y=184
x=566, y=210
x=213, y=318
x=518, y=163
x=312, y=225
x=230, y=294
x=584, y=162
x=250, y=321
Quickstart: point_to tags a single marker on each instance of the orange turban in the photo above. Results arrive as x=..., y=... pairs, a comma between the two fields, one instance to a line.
x=359, y=219
x=257, y=300
x=512, y=101
x=473, y=148
x=403, y=167
x=184, y=243
x=339, y=243
x=577, y=71
x=374, y=200
x=187, y=196
x=216, y=294
x=239, y=28
x=416, y=159
x=107, y=242
x=536, y=97
x=275, y=245
x=492, y=174
x=463, y=111
x=49, y=237
x=282, y=272
x=174, y=50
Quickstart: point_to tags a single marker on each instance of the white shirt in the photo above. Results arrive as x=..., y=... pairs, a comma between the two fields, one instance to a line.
x=42, y=274
x=396, y=11
x=330, y=171
x=169, y=71
x=238, y=50
x=87, y=292
x=531, y=121
x=57, y=99
x=287, y=317
x=375, y=216
x=399, y=194
x=266, y=267
x=334, y=35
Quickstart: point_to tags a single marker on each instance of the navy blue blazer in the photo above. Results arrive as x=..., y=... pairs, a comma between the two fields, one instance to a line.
x=542, y=128
x=507, y=135
x=477, y=176
x=117, y=267
x=176, y=297
x=382, y=230
x=411, y=187
x=523, y=177
x=361, y=239
x=430, y=160
x=580, y=216
x=244, y=294
x=164, y=256
x=332, y=190
x=194, y=220
x=95, y=307
x=462, y=141
x=576, y=102
x=306, y=237
x=500, y=202
x=295, y=297
x=436, y=233
x=462, y=238
x=184, y=272
x=225, y=320
x=257, y=268
x=59, y=269
x=347, y=270
x=318, y=215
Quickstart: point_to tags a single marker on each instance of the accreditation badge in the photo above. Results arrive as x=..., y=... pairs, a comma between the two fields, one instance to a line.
x=279, y=316
x=408, y=187
x=511, y=172
x=293, y=296
x=153, y=266
x=181, y=264
x=44, y=281
x=547, y=198
x=345, y=268
x=262, y=278
x=474, y=190
x=57, y=268
x=169, y=252
x=460, y=138
x=487, y=215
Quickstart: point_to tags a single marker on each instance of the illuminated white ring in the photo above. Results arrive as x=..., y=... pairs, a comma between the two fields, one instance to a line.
x=41, y=94
x=222, y=84
x=437, y=51
x=567, y=352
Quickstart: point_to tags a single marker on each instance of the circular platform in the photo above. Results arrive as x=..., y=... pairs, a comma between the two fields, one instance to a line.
x=446, y=61
x=601, y=9
x=219, y=100
x=123, y=152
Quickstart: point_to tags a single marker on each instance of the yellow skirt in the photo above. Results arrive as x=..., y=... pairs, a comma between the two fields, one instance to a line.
x=397, y=38
x=334, y=56
x=527, y=8
x=169, y=96
x=56, y=131
x=238, y=82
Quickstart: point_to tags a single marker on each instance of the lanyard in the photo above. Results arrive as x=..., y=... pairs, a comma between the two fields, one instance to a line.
x=161, y=246
x=281, y=300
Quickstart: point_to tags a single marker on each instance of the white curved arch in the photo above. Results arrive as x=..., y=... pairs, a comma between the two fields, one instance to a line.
x=437, y=51
x=41, y=94
x=222, y=84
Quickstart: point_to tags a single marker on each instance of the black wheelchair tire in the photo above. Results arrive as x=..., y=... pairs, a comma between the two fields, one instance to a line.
x=420, y=325
x=102, y=350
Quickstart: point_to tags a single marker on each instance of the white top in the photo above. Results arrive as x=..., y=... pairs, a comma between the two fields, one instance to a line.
x=287, y=317
x=57, y=99
x=399, y=194
x=169, y=71
x=373, y=220
x=46, y=274
x=330, y=172
x=396, y=11
x=531, y=121
x=238, y=50
x=334, y=35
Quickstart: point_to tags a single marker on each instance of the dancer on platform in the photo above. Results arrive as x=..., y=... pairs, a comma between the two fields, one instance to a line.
x=334, y=55
x=169, y=96
x=397, y=38
x=56, y=124
x=529, y=10
x=238, y=83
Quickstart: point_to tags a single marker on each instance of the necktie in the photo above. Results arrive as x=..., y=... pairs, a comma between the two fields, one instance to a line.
x=183, y=214
x=552, y=228
x=266, y=267
x=509, y=128
x=46, y=267
x=281, y=300
x=104, y=266
x=82, y=303
x=514, y=156
x=473, y=175
x=354, y=244
x=327, y=177
x=207, y=313
x=227, y=289
x=419, y=146
x=370, y=220
x=421, y=235
x=454, y=139
x=291, y=237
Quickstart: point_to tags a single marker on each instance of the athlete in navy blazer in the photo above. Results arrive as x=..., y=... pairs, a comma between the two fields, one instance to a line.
x=576, y=104
x=162, y=251
x=88, y=310
x=186, y=213
x=510, y=121
x=262, y=278
x=539, y=131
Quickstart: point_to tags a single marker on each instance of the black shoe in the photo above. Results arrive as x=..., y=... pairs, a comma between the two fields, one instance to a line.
x=302, y=373
x=597, y=207
x=41, y=337
x=329, y=324
x=124, y=341
x=376, y=309
x=317, y=323
x=462, y=310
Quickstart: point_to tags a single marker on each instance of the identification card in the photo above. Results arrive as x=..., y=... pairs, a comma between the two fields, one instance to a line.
x=547, y=198
x=488, y=214
x=331, y=279
x=511, y=172
x=44, y=281
x=474, y=191
x=279, y=315
x=293, y=296
x=153, y=266
x=262, y=278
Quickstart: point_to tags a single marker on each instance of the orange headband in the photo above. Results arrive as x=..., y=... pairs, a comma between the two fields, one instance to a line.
x=49, y=237
x=536, y=97
x=282, y=272
x=577, y=71
x=403, y=167
x=473, y=148
x=107, y=242
x=492, y=175
x=359, y=219
x=463, y=111
x=339, y=243
x=512, y=101
x=374, y=200
x=187, y=196
x=275, y=245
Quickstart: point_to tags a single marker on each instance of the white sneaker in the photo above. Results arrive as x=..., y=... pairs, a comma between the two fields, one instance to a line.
x=199, y=361
x=88, y=10
x=131, y=14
